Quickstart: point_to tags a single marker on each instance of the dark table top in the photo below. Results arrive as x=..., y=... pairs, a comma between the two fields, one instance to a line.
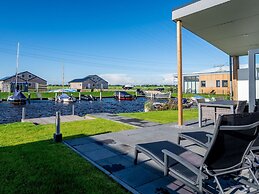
x=220, y=103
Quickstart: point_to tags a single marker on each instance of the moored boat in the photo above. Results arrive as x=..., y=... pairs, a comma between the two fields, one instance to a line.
x=65, y=98
x=88, y=98
x=17, y=98
x=157, y=94
x=122, y=95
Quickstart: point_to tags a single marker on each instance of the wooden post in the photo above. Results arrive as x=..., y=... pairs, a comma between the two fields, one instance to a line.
x=179, y=65
x=235, y=77
x=119, y=96
x=100, y=95
x=230, y=78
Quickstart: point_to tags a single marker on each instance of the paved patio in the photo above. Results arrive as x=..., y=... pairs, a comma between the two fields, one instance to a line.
x=52, y=120
x=126, y=120
x=113, y=153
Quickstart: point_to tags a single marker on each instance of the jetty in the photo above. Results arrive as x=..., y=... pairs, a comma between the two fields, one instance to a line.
x=63, y=119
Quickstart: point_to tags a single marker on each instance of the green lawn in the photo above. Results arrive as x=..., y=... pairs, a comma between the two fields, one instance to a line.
x=30, y=162
x=168, y=116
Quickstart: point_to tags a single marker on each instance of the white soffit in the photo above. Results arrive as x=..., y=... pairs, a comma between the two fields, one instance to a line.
x=230, y=25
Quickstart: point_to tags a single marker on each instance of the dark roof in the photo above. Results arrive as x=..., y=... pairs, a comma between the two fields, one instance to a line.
x=5, y=78
x=8, y=77
x=94, y=78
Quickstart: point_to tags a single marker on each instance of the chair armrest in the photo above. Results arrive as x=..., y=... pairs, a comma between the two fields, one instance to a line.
x=209, y=136
x=181, y=160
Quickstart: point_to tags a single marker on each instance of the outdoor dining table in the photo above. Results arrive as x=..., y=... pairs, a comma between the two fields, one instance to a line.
x=227, y=104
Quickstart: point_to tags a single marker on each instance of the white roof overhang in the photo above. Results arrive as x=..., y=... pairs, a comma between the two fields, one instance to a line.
x=230, y=25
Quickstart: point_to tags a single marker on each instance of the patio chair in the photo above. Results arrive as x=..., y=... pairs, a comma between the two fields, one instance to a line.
x=240, y=108
x=225, y=155
x=203, y=138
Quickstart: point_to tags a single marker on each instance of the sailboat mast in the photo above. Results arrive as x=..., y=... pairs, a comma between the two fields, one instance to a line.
x=17, y=65
x=63, y=78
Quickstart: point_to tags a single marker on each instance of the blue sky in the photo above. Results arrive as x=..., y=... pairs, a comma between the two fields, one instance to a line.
x=127, y=42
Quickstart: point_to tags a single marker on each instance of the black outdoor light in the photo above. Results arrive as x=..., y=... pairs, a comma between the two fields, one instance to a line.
x=57, y=136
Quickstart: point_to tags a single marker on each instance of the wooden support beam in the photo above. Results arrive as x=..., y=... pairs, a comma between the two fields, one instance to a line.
x=235, y=77
x=180, y=73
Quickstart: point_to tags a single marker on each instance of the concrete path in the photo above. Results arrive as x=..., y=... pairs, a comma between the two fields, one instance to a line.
x=51, y=120
x=126, y=120
x=113, y=153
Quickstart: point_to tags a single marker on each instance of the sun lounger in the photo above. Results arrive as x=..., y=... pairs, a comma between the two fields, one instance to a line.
x=225, y=155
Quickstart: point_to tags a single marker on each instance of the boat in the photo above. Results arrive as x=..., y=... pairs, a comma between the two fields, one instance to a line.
x=163, y=95
x=65, y=98
x=88, y=98
x=122, y=95
x=157, y=94
x=18, y=97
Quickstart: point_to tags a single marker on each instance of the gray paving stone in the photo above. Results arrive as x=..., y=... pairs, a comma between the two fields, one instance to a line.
x=153, y=167
x=79, y=141
x=164, y=185
x=85, y=148
x=120, y=148
x=127, y=120
x=100, y=154
x=156, y=186
x=136, y=176
x=111, y=164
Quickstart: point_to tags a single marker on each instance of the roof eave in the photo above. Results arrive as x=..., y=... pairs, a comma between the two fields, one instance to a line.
x=194, y=8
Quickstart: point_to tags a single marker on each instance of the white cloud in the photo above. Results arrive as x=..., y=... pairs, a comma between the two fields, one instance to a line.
x=121, y=79
x=169, y=79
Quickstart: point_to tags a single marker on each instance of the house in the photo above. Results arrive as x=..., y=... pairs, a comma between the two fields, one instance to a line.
x=232, y=31
x=89, y=82
x=26, y=81
x=215, y=80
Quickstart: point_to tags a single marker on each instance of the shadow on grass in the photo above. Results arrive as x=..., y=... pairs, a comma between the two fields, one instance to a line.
x=48, y=167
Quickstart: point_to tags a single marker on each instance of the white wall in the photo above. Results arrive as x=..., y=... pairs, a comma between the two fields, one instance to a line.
x=243, y=89
x=1, y=85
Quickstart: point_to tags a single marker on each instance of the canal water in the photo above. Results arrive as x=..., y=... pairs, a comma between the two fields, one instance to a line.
x=10, y=113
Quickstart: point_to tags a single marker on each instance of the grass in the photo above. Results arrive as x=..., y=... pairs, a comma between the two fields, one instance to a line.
x=163, y=117
x=30, y=162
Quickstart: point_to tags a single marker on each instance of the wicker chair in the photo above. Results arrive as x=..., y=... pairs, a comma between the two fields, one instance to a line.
x=240, y=108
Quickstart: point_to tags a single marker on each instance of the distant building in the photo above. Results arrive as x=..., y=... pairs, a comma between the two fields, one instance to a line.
x=26, y=81
x=89, y=82
x=218, y=80
x=215, y=80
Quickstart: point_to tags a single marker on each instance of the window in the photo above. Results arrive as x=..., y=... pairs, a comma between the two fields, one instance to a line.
x=22, y=75
x=203, y=83
x=217, y=83
x=224, y=83
x=29, y=84
x=29, y=76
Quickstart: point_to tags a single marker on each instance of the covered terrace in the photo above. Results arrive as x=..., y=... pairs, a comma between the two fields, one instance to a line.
x=231, y=26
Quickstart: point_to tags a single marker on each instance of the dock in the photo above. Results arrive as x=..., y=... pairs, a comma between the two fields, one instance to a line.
x=63, y=119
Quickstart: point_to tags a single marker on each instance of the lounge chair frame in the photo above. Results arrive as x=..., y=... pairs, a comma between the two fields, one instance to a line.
x=203, y=172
